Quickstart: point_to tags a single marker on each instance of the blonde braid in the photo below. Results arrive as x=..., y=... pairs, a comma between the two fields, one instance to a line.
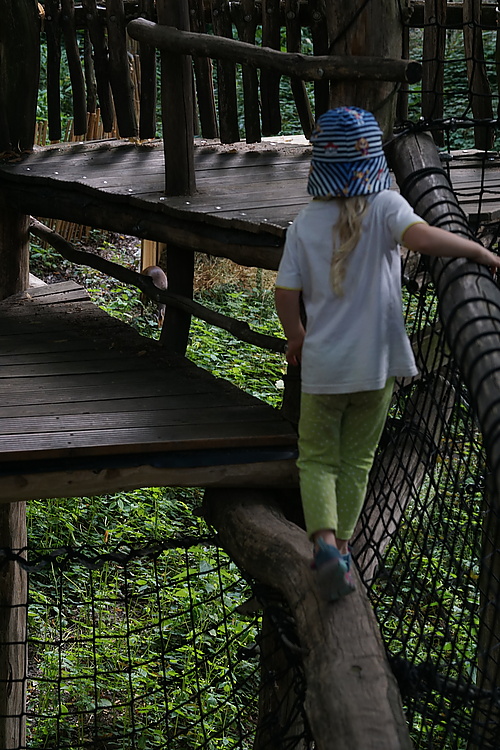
x=346, y=234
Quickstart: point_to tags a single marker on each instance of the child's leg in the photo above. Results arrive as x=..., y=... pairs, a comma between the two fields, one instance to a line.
x=319, y=458
x=362, y=426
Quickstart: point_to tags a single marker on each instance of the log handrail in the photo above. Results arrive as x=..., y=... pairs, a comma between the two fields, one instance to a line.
x=305, y=67
x=238, y=328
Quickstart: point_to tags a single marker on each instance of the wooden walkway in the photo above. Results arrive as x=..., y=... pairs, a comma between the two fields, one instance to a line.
x=89, y=406
x=246, y=195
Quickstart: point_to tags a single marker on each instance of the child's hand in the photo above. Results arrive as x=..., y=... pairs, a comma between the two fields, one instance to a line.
x=294, y=350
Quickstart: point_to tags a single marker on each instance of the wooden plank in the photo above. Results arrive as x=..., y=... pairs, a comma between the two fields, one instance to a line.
x=145, y=439
x=98, y=392
x=75, y=367
x=28, y=359
x=31, y=345
x=131, y=420
x=49, y=290
x=70, y=382
x=139, y=401
x=84, y=482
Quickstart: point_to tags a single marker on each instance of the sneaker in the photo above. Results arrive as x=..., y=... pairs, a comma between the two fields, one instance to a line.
x=334, y=577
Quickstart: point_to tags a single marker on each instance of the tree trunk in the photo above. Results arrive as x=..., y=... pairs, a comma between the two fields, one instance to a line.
x=372, y=29
x=352, y=700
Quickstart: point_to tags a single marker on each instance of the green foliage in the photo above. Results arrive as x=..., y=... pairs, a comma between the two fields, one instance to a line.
x=257, y=371
x=97, y=657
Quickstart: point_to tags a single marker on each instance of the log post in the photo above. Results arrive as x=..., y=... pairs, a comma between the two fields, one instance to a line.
x=13, y=618
x=14, y=250
x=177, y=105
x=352, y=698
x=19, y=40
x=178, y=144
x=361, y=28
x=180, y=274
x=433, y=66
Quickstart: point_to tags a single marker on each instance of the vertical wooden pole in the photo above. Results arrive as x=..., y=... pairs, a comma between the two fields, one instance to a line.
x=433, y=62
x=19, y=73
x=13, y=618
x=178, y=144
x=180, y=273
x=479, y=86
x=14, y=251
x=361, y=28
x=177, y=105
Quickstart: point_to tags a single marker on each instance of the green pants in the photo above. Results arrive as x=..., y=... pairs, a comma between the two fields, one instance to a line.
x=338, y=437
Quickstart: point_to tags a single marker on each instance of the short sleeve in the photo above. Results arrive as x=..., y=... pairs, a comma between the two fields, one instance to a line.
x=289, y=274
x=398, y=214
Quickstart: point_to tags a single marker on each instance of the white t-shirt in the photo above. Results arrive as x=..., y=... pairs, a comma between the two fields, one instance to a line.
x=357, y=341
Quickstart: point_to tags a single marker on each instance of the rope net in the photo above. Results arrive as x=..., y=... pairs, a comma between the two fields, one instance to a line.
x=154, y=647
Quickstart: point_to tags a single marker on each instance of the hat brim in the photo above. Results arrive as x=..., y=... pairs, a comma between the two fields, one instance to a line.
x=347, y=179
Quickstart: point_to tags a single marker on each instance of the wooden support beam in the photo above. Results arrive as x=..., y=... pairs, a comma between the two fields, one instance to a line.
x=352, y=700
x=262, y=250
x=279, y=474
x=176, y=101
x=19, y=41
x=13, y=633
x=14, y=250
x=180, y=273
x=305, y=67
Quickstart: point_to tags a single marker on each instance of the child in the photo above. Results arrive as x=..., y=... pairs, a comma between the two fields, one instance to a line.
x=342, y=257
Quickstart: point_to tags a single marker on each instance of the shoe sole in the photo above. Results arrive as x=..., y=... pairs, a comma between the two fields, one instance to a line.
x=333, y=580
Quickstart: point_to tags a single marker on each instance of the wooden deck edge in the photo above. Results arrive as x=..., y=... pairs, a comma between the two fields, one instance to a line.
x=87, y=482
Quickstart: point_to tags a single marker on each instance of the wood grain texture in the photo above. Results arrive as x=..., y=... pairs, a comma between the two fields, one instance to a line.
x=351, y=693
x=76, y=384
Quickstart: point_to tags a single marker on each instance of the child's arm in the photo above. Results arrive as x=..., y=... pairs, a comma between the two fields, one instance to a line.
x=428, y=240
x=288, y=308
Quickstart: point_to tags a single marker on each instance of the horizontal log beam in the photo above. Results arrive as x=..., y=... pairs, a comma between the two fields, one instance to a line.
x=305, y=67
x=279, y=474
x=238, y=328
x=260, y=249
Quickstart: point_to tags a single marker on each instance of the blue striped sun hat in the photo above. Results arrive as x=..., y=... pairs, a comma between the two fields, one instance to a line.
x=347, y=155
